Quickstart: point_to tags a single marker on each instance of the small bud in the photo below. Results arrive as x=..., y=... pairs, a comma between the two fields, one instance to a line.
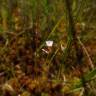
x=83, y=25
x=62, y=47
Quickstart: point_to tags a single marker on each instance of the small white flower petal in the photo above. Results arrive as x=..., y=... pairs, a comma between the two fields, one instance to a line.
x=49, y=43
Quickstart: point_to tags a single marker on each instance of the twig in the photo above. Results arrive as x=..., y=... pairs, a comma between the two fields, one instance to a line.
x=87, y=54
x=82, y=92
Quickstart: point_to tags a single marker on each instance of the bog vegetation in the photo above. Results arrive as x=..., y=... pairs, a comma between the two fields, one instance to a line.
x=47, y=47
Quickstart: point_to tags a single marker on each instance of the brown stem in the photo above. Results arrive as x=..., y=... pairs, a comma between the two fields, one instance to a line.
x=72, y=34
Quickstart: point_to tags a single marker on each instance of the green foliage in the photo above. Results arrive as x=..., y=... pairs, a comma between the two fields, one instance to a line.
x=90, y=75
x=31, y=67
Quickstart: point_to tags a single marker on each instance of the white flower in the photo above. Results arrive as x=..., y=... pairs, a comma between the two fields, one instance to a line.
x=49, y=43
